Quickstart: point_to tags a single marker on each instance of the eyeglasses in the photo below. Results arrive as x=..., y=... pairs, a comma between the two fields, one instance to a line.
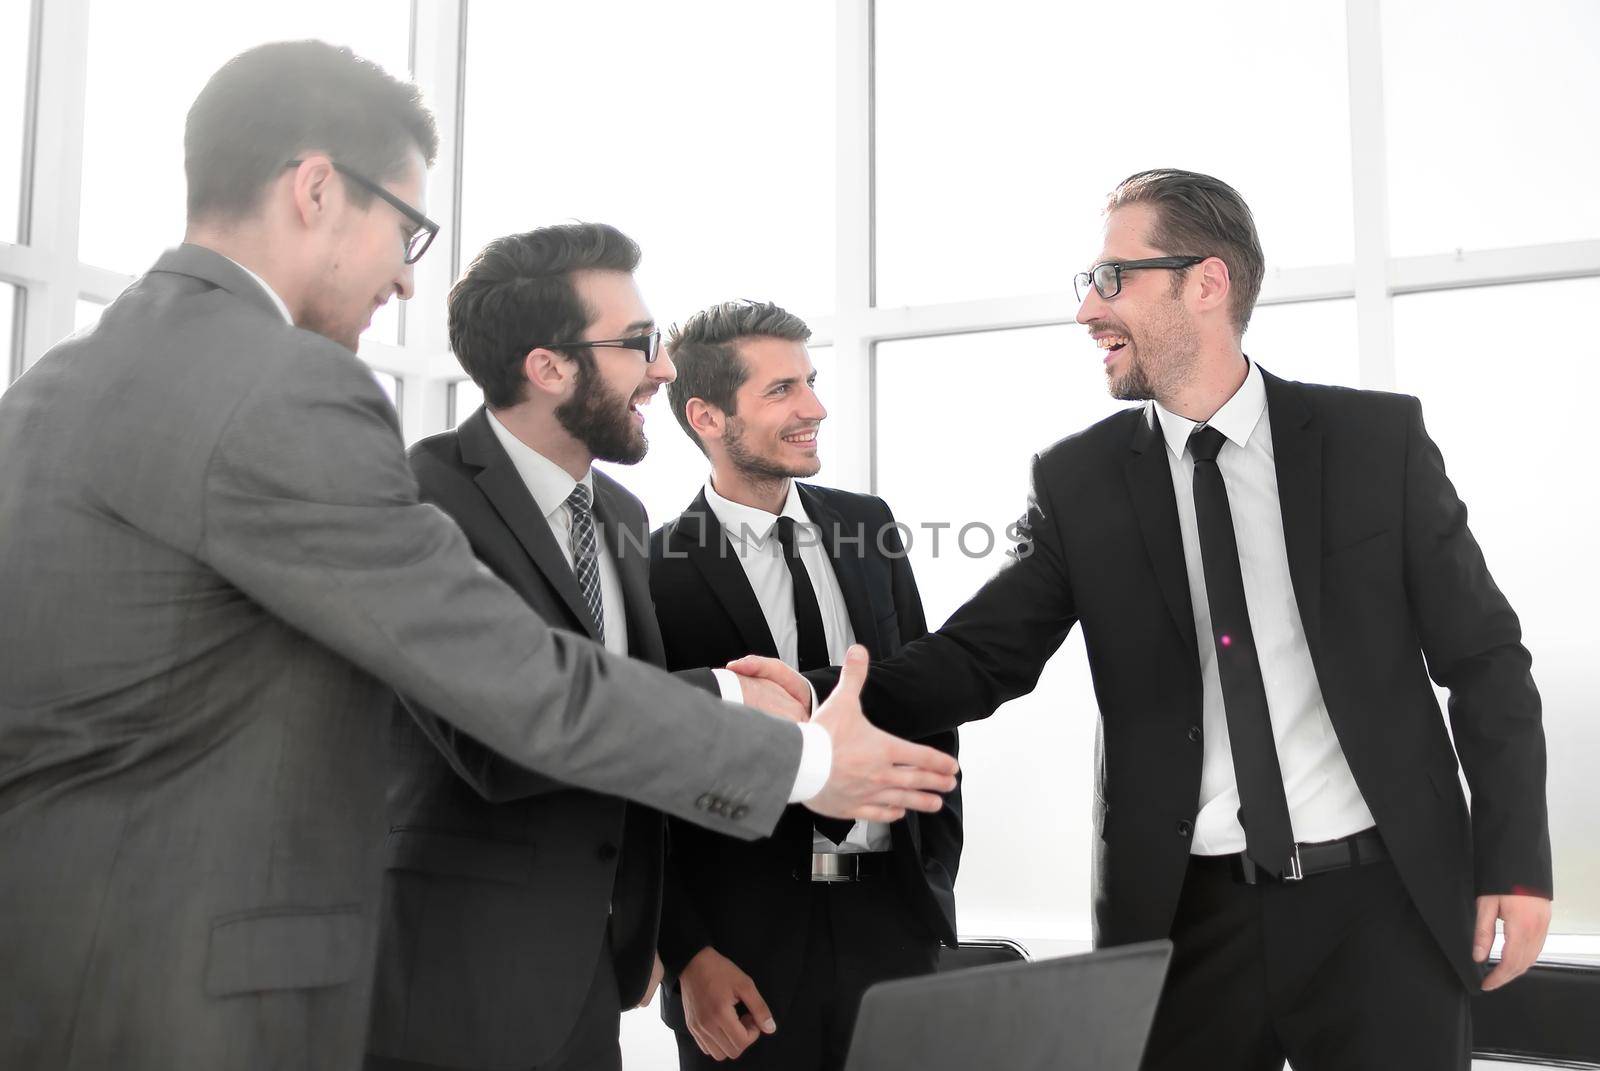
x=425, y=229
x=649, y=345
x=1107, y=278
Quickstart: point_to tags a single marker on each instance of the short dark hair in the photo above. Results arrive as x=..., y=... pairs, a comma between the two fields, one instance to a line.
x=518, y=293
x=279, y=101
x=1197, y=215
x=705, y=349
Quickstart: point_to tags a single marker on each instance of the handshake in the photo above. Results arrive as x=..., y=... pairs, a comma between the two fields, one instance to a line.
x=873, y=776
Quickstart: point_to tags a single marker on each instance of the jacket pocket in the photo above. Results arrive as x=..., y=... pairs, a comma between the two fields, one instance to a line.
x=283, y=948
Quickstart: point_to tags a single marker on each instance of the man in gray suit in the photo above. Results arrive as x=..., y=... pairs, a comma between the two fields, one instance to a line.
x=215, y=567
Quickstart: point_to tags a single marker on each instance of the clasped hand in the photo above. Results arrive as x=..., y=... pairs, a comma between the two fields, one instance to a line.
x=874, y=776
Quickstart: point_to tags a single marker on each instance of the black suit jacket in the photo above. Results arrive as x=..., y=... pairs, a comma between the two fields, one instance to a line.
x=1391, y=588
x=499, y=880
x=743, y=898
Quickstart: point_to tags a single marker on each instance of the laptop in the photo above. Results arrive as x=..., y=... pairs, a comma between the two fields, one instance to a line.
x=1091, y=1012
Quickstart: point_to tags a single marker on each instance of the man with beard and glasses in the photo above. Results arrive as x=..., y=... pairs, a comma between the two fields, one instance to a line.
x=520, y=912
x=1267, y=573
x=797, y=926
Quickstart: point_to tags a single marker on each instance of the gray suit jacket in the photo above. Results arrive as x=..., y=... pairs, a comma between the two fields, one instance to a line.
x=214, y=567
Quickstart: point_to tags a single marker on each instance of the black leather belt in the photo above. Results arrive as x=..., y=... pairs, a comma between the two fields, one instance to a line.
x=844, y=866
x=1358, y=849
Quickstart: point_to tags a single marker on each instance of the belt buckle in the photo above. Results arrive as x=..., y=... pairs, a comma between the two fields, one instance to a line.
x=834, y=867
x=1295, y=871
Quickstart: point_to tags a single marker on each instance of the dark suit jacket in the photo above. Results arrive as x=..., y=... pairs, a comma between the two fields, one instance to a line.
x=743, y=899
x=1391, y=588
x=499, y=880
x=214, y=573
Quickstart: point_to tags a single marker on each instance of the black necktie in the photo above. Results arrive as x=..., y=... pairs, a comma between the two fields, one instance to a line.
x=1263, y=809
x=811, y=646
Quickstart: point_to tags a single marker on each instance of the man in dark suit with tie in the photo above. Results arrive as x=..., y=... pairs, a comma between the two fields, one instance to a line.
x=797, y=926
x=1267, y=574
x=520, y=912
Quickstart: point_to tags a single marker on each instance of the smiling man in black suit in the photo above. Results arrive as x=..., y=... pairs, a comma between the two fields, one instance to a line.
x=797, y=926
x=1267, y=574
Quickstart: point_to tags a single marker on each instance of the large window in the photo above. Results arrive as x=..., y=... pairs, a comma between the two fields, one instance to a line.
x=705, y=133
x=1514, y=425
x=14, y=42
x=1491, y=114
x=1000, y=132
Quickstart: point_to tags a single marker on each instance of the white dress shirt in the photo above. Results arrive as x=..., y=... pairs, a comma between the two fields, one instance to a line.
x=752, y=534
x=1324, y=802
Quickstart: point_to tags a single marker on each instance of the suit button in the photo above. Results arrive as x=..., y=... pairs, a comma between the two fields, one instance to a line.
x=1194, y=733
x=705, y=801
x=606, y=852
x=739, y=812
x=1185, y=827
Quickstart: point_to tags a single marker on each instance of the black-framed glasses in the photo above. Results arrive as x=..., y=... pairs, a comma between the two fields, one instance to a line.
x=424, y=229
x=1107, y=278
x=649, y=345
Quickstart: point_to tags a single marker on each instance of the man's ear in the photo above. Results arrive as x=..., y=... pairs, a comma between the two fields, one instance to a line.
x=549, y=372
x=708, y=421
x=1215, y=285
x=311, y=185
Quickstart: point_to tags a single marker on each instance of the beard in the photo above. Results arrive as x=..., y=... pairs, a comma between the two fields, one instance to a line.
x=1163, y=361
x=1133, y=385
x=598, y=417
x=756, y=467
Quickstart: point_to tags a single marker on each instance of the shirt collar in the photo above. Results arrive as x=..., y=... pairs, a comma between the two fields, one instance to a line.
x=748, y=524
x=271, y=293
x=549, y=483
x=1237, y=419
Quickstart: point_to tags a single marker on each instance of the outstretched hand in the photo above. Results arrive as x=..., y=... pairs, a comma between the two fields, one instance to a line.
x=875, y=776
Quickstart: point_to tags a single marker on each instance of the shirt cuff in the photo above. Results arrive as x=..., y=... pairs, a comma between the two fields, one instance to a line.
x=816, y=762
x=728, y=685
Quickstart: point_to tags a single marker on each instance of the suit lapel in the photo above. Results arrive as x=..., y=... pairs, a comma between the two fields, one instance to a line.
x=847, y=568
x=1150, y=484
x=699, y=535
x=505, y=490
x=630, y=551
x=1297, y=457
